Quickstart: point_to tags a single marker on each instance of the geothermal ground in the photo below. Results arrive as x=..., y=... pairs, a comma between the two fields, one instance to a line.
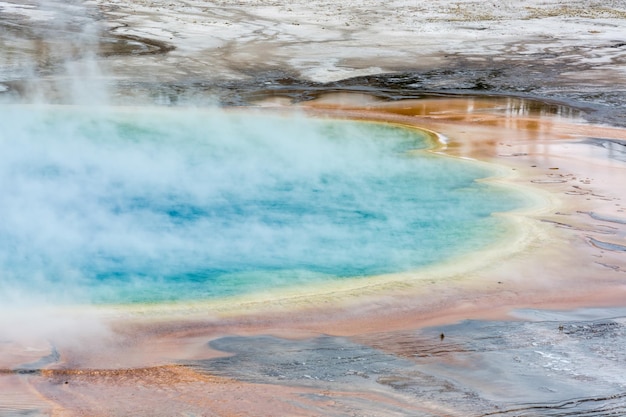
x=536, y=328
x=236, y=52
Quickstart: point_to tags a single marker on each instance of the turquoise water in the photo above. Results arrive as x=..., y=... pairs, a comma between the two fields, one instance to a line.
x=164, y=205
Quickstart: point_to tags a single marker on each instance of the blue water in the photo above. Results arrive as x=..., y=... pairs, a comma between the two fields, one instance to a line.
x=161, y=205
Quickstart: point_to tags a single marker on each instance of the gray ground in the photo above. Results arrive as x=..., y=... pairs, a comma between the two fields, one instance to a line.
x=239, y=52
x=558, y=365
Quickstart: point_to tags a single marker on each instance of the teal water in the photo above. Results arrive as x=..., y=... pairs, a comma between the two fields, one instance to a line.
x=165, y=205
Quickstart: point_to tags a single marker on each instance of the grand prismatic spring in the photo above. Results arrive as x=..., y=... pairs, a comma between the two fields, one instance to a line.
x=307, y=209
x=154, y=206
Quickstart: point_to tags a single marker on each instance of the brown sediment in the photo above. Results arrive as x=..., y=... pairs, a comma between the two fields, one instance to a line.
x=174, y=388
x=131, y=45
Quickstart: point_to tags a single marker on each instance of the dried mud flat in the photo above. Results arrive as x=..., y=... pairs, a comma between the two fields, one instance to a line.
x=537, y=87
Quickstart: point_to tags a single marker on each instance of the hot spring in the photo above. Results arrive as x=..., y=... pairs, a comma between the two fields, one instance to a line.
x=156, y=205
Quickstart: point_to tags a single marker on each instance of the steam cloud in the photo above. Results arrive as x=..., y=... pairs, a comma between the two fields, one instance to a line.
x=159, y=204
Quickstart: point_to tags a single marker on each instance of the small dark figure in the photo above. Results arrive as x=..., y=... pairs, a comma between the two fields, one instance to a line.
x=442, y=336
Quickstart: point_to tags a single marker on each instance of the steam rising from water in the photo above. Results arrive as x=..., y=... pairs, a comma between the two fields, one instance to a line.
x=170, y=204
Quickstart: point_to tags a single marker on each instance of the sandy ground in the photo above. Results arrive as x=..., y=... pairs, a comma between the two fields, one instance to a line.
x=535, y=87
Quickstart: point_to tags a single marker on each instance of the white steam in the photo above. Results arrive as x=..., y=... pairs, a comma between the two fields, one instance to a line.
x=50, y=52
x=173, y=203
